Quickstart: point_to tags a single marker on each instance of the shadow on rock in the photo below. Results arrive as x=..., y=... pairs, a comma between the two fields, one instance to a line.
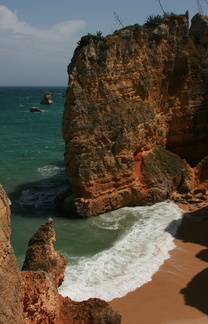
x=194, y=227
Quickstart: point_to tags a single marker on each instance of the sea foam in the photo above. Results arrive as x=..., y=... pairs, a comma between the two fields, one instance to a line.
x=133, y=258
x=49, y=170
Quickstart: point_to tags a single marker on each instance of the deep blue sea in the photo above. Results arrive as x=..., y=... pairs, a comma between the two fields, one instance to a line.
x=108, y=255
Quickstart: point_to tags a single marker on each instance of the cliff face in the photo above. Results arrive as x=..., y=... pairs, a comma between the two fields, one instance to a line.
x=130, y=96
x=30, y=296
x=10, y=278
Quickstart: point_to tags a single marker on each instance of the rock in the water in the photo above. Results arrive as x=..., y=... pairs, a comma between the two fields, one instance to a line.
x=46, y=99
x=35, y=109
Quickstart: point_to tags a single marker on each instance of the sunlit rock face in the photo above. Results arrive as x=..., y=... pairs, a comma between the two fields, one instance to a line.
x=132, y=95
x=10, y=278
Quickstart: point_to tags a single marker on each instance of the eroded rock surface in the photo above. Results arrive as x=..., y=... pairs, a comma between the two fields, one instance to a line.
x=130, y=96
x=92, y=311
x=30, y=296
x=10, y=277
x=41, y=255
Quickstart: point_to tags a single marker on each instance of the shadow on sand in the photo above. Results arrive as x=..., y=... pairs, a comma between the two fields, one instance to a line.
x=194, y=229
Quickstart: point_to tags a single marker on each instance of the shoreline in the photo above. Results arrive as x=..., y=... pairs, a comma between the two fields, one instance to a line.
x=178, y=291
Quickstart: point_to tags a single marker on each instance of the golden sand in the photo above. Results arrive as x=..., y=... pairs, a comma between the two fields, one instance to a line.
x=178, y=292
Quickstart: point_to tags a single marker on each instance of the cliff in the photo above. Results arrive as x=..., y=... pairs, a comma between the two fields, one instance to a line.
x=10, y=277
x=30, y=296
x=135, y=117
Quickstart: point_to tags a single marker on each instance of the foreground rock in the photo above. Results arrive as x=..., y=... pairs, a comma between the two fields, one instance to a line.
x=47, y=99
x=135, y=118
x=30, y=296
x=10, y=276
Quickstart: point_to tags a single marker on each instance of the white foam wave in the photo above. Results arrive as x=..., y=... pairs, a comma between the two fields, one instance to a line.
x=109, y=221
x=49, y=170
x=131, y=261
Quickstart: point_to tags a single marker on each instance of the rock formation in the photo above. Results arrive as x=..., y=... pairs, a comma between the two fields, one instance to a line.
x=47, y=99
x=35, y=109
x=10, y=277
x=30, y=296
x=135, y=118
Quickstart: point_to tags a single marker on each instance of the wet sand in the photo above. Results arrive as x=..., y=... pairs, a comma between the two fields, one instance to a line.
x=178, y=292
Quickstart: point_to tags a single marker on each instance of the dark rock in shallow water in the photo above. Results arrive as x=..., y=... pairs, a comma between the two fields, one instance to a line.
x=35, y=109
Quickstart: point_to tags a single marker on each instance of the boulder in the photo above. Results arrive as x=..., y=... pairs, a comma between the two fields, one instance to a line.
x=35, y=109
x=46, y=99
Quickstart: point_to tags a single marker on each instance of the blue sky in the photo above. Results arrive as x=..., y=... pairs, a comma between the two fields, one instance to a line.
x=38, y=38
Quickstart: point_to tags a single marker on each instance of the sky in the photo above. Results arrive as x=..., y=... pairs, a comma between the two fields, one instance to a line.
x=38, y=38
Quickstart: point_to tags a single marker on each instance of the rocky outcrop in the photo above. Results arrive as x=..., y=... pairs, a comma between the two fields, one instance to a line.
x=92, y=311
x=41, y=256
x=47, y=99
x=35, y=109
x=136, y=100
x=30, y=296
x=43, y=270
x=10, y=277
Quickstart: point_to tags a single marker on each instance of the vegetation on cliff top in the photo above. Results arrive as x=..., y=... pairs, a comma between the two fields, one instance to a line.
x=151, y=21
x=85, y=40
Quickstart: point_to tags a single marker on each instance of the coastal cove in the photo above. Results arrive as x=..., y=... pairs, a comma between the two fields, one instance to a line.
x=108, y=183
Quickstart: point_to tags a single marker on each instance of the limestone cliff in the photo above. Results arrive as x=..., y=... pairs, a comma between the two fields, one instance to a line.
x=136, y=100
x=10, y=278
x=30, y=296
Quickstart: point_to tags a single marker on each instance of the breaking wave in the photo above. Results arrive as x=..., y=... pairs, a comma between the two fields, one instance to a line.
x=147, y=237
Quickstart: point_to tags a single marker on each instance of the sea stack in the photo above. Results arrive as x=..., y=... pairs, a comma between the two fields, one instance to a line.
x=46, y=99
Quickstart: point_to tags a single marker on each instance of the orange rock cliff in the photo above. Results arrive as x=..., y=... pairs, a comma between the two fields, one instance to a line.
x=135, y=117
x=30, y=296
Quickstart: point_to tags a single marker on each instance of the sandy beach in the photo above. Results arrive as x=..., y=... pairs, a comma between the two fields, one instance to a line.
x=178, y=292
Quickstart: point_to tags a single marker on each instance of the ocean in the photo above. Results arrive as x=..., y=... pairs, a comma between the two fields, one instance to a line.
x=108, y=255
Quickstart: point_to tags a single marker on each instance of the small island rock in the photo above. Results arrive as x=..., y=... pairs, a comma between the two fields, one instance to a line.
x=35, y=109
x=46, y=99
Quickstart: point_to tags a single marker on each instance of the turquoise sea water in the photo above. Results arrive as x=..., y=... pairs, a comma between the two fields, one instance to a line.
x=108, y=255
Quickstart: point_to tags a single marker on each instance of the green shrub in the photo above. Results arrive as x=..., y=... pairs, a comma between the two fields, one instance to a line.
x=85, y=40
x=170, y=15
x=153, y=21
